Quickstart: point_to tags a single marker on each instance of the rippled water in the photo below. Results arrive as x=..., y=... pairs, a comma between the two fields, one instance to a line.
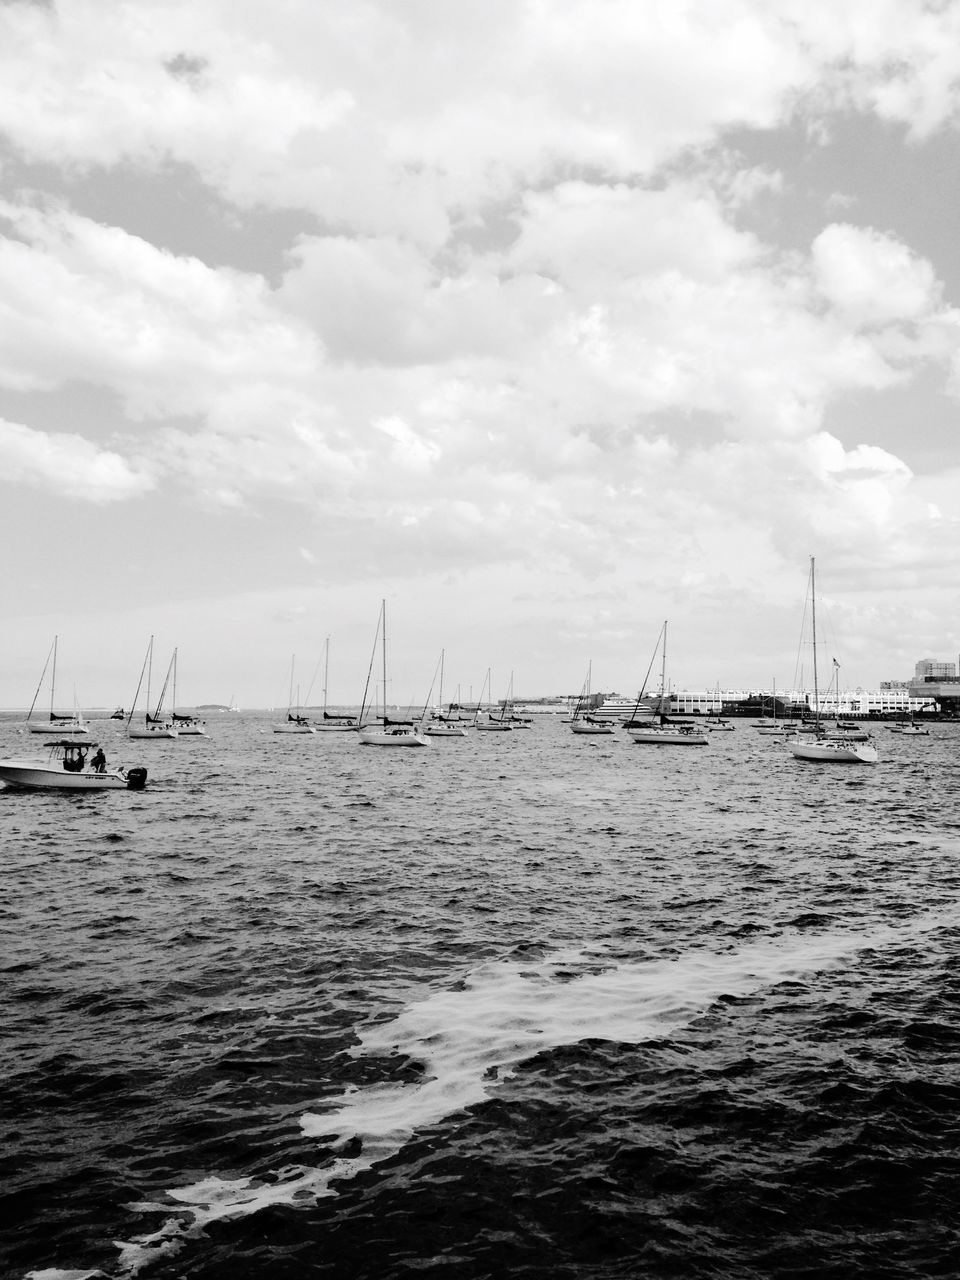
x=522, y=1004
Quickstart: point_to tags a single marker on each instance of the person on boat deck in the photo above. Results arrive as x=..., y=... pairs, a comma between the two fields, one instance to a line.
x=99, y=762
x=73, y=761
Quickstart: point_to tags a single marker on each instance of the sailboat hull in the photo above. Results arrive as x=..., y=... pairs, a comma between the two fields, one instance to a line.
x=833, y=751
x=670, y=737
x=74, y=727
x=392, y=738
x=293, y=728
x=151, y=734
x=582, y=726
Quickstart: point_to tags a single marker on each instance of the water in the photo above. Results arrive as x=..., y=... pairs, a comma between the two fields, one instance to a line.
x=520, y=1004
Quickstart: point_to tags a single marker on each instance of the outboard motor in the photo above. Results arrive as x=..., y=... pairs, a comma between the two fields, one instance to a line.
x=136, y=778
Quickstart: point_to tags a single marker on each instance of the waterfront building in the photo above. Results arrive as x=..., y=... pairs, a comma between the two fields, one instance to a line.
x=930, y=669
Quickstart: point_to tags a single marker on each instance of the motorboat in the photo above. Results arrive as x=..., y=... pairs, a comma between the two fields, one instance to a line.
x=67, y=768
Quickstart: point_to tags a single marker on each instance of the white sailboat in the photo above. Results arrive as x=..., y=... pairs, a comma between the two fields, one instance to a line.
x=392, y=733
x=331, y=722
x=663, y=734
x=74, y=724
x=154, y=726
x=819, y=746
x=442, y=726
x=295, y=722
x=581, y=723
x=187, y=726
x=492, y=724
x=909, y=728
x=772, y=726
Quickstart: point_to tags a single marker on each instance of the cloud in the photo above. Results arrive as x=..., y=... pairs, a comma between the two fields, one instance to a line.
x=68, y=465
x=872, y=279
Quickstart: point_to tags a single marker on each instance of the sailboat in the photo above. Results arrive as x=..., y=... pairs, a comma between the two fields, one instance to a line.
x=153, y=726
x=909, y=728
x=295, y=722
x=663, y=734
x=392, y=733
x=74, y=724
x=819, y=745
x=186, y=726
x=492, y=724
x=442, y=726
x=332, y=723
x=580, y=723
x=769, y=726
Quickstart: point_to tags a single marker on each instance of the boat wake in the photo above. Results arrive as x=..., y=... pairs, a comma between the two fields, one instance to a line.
x=469, y=1037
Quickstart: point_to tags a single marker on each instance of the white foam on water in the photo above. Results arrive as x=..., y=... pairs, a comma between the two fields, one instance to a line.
x=470, y=1036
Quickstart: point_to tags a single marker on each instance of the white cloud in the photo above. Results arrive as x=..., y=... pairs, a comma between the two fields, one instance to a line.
x=68, y=465
x=872, y=279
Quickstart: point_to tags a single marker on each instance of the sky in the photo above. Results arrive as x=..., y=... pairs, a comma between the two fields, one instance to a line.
x=543, y=323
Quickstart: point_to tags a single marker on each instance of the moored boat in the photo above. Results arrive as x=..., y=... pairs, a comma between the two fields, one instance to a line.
x=397, y=733
x=662, y=732
x=821, y=746
x=57, y=723
x=154, y=727
x=580, y=722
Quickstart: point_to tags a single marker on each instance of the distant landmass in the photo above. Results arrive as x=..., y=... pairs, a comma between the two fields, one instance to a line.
x=212, y=706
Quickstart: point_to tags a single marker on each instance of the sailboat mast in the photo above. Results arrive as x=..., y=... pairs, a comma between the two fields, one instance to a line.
x=326, y=672
x=813, y=616
x=149, y=675
x=383, y=606
x=53, y=678
x=663, y=670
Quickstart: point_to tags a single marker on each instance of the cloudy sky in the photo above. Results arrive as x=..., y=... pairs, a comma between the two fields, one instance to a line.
x=545, y=322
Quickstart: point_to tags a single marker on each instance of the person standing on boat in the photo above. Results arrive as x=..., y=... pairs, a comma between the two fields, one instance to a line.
x=99, y=762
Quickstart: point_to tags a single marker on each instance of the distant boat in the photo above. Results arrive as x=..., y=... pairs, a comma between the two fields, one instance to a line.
x=295, y=722
x=66, y=770
x=770, y=726
x=492, y=724
x=580, y=723
x=154, y=726
x=187, y=726
x=663, y=733
x=910, y=729
x=394, y=733
x=821, y=746
x=119, y=714
x=57, y=722
x=332, y=723
x=443, y=726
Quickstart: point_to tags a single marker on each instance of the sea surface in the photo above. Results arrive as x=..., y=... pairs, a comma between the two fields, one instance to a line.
x=517, y=1005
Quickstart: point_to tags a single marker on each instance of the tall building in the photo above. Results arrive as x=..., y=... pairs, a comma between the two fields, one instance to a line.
x=929, y=669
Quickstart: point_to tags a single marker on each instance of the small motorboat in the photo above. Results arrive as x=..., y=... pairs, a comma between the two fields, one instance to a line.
x=67, y=769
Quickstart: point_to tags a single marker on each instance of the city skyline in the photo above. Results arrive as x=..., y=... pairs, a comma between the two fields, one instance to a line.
x=544, y=324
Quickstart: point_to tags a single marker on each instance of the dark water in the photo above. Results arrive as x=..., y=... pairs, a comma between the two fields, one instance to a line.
x=518, y=1005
